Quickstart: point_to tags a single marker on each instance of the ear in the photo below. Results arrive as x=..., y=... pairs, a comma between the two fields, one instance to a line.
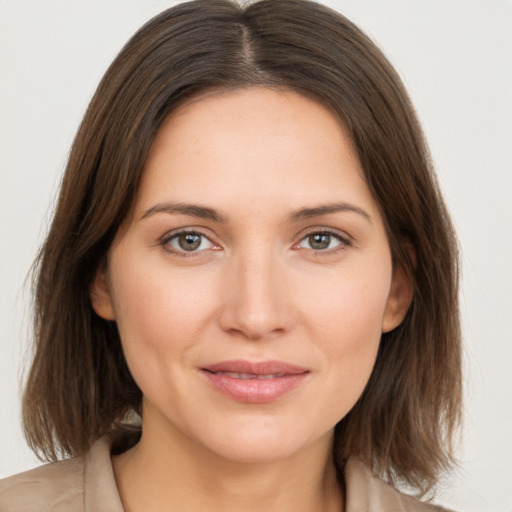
x=399, y=300
x=101, y=297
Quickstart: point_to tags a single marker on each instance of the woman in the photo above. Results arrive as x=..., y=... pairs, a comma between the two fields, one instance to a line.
x=251, y=254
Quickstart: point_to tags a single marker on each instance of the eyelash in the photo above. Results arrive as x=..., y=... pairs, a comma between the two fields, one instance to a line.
x=344, y=242
x=166, y=239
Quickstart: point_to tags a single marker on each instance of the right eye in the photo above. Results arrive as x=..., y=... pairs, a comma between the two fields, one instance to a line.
x=187, y=242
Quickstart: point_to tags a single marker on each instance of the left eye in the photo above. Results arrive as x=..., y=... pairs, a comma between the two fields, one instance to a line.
x=188, y=242
x=320, y=241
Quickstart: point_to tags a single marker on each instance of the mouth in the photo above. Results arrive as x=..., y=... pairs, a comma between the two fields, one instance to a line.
x=255, y=382
x=247, y=376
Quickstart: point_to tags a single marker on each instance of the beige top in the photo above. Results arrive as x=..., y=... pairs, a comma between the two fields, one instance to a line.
x=87, y=484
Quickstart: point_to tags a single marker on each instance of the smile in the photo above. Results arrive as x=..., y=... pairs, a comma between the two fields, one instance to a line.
x=255, y=383
x=246, y=376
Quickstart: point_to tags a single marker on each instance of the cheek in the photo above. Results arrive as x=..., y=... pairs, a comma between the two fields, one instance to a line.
x=158, y=314
x=351, y=303
x=346, y=319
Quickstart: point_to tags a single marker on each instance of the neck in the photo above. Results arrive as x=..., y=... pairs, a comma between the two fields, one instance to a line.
x=172, y=473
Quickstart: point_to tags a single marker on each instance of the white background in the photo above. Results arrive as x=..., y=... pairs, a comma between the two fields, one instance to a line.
x=455, y=57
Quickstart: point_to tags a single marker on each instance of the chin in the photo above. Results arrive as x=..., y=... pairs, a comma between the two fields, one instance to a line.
x=257, y=443
x=253, y=451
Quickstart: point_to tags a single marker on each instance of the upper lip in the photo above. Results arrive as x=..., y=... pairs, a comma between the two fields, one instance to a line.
x=256, y=368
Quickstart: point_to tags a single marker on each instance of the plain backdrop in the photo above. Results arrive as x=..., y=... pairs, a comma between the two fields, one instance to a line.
x=455, y=57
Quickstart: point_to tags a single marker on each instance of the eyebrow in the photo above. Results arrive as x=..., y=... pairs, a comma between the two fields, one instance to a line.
x=203, y=212
x=192, y=210
x=317, y=211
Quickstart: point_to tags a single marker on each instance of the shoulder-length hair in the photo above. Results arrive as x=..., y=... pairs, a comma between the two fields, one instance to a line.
x=79, y=385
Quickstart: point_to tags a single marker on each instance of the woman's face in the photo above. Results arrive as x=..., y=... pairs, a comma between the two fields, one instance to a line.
x=253, y=279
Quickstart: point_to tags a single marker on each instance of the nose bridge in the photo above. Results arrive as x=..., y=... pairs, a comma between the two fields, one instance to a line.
x=257, y=303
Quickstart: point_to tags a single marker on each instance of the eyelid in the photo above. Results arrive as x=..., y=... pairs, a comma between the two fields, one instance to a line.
x=345, y=239
x=167, y=237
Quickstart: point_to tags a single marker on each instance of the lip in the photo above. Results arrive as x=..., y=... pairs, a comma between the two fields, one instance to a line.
x=254, y=382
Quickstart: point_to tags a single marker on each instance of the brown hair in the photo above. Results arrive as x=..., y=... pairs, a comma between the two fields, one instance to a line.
x=79, y=384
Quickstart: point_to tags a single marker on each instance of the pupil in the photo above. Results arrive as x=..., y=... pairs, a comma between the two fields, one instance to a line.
x=189, y=241
x=319, y=241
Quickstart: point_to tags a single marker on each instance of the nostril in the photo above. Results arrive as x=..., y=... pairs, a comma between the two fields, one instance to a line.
x=255, y=303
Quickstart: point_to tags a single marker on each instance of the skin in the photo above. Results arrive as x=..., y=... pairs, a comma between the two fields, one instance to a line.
x=256, y=288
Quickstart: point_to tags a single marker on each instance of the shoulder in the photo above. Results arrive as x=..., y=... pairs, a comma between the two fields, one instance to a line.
x=81, y=484
x=55, y=487
x=366, y=492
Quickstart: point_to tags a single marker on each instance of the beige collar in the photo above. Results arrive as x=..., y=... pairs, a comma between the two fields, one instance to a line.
x=364, y=492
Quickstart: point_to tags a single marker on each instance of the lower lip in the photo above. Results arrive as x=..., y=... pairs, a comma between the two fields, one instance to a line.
x=255, y=391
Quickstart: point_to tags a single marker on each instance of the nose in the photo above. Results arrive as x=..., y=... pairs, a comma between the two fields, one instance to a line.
x=256, y=302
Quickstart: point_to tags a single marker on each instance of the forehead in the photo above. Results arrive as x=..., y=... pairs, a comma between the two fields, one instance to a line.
x=258, y=143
